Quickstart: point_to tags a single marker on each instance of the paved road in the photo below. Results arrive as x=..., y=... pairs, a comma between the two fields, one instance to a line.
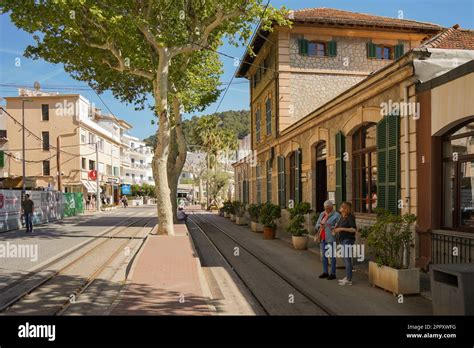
x=302, y=268
x=70, y=238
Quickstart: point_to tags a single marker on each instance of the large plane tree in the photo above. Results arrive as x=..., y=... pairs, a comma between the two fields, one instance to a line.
x=130, y=48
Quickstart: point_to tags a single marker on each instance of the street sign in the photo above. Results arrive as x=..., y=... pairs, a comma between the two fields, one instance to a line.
x=93, y=174
x=126, y=189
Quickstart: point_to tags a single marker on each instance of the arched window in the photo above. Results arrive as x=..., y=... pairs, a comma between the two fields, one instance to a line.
x=364, y=156
x=458, y=178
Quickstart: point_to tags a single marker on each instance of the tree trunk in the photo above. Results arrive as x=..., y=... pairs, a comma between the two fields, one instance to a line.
x=160, y=158
x=201, y=190
x=176, y=158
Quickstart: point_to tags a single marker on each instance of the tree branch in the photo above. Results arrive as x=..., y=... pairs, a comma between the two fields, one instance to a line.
x=212, y=24
x=122, y=66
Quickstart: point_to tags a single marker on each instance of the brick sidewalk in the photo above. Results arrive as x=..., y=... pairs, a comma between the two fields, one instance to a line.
x=164, y=279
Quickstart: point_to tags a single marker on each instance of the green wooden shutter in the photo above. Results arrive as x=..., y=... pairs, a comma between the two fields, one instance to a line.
x=281, y=181
x=332, y=48
x=399, y=51
x=382, y=163
x=269, y=181
x=393, y=162
x=302, y=46
x=340, y=169
x=298, y=188
x=388, y=163
x=371, y=50
x=2, y=158
x=259, y=184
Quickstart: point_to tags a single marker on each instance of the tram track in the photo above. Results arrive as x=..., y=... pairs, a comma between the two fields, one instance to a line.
x=8, y=302
x=203, y=223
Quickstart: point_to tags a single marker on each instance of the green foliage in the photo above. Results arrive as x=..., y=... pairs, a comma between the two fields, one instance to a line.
x=237, y=122
x=297, y=213
x=238, y=208
x=143, y=190
x=227, y=207
x=269, y=213
x=254, y=211
x=218, y=182
x=389, y=237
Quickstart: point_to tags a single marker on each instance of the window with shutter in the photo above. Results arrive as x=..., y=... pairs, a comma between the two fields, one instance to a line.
x=399, y=51
x=340, y=169
x=388, y=161
x=268, y=115
x=332, y=48
x=371, y=50
x=259, y=184
x=258, y=122
x=281, y=181
x=297, y=176
x=302, y=46
x=269, y=181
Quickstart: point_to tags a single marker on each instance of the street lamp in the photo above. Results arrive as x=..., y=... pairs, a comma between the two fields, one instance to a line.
x=23, y=189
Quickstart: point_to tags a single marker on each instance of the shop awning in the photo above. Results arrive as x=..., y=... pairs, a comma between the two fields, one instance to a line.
x=91, y=186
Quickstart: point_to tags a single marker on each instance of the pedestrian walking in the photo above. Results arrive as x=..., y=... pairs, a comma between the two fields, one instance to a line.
x=124, y=201
x=346, y=230
x=325, y=225
x=28, y=208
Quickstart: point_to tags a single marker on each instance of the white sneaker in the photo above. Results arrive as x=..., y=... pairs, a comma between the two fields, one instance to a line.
x=345, y=281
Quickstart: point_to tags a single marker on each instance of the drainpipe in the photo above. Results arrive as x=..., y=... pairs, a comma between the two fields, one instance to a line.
x=406, y=120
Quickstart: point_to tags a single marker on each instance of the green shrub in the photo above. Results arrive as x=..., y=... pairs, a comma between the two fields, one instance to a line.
x=227, y=208
x=389, y=237
x=238, y=208
x=268, y=214
x=297, y=213
x=254, y=211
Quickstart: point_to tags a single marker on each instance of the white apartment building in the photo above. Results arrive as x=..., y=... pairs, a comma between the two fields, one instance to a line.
x=136, y=159
x=74, y=125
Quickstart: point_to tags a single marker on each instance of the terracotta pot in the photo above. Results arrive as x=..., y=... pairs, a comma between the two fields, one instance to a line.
x=300, y=242
x=268, y=233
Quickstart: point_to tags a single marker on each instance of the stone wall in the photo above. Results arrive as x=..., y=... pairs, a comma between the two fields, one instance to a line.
x=310, y=91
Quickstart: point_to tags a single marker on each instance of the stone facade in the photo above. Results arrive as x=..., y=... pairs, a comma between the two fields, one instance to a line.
x=312, y=90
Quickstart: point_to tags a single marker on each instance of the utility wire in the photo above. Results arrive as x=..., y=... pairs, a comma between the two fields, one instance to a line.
x=31, y=133
x=237, y=68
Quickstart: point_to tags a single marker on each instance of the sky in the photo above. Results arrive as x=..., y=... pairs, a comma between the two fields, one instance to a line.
x=52, y=77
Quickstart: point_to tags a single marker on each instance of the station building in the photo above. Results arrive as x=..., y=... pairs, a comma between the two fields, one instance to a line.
x=345, y=106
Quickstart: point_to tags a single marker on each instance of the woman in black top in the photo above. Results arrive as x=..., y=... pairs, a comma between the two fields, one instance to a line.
x=346, y=228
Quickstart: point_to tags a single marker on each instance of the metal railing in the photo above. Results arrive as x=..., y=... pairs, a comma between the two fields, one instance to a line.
x=447, y=249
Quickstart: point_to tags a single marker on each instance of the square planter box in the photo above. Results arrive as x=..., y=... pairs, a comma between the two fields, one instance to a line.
x=397, y=281
x=232, y=217
x=256, y=226
x=240, y=220
x=226, y=215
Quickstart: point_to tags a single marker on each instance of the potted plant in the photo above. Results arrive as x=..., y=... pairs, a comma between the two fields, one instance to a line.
x=254, y=212
x=221, y=212
x=239, y=209
x=299, y=234
x=227, y=208
x=232, y=211
x=389, y=241
x=268, y=214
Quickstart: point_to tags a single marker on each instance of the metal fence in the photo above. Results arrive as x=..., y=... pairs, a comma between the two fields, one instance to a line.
x=447, y=249
x=49, y=206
